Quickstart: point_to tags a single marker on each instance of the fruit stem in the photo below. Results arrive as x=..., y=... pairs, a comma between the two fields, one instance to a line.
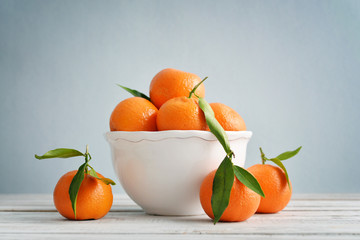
x=87, y=159
x=263, y=158
x=196, y=86
x=231, y=155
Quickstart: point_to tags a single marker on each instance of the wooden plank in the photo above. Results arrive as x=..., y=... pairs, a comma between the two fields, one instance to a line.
x=141, y=223
x=323, y=217
x=111, y=236
x=299, y=202
x=327, y=196
x=44, y=203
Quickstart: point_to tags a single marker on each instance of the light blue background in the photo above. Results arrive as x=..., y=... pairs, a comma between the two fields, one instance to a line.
x=290, y=68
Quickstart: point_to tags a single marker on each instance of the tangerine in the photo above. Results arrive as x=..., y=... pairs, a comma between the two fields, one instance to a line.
x=272, y=180
x=134, y=114
x=170, y=83
x=94, y=198
x=242, y=204
x=181, y=113
x=228, y=118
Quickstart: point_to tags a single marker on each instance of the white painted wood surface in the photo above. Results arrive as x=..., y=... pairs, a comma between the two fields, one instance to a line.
x=306, y=217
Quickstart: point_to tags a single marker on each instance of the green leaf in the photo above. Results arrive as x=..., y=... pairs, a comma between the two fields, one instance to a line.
x=60, y=153
x=92, y=172
x=222, y=184
x=281, y=165
x=248, y=180
x=134, y=92
x=289, y=154
x=107, y=181
x=75, y=186
x=214, y=125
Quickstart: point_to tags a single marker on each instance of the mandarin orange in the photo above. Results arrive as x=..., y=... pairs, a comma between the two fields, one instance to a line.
x=94, y=198
x=170, y=83
x=134, y=114
x=242, y=204
x=228, y=118
x=181, y=113
x=272, y=180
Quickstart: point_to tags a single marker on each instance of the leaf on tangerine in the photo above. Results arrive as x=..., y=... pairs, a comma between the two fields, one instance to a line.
x=281, y=165
x=134, y=92
x=60, y=153
x=93, y=173
x=214, y=125
x=246, y=178
x=288, y=154
x=75, y=186
x=222, y=184
x=107, y=181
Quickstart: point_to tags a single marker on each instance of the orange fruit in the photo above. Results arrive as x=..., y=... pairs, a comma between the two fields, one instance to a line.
x=276, y=189
x=228, y=118
x=181, y=113
x=134, y=114
x=94, y=198
x=242, y=204
x=170, y=83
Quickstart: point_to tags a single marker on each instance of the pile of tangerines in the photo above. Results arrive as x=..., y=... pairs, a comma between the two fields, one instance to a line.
x=170, y=107
x=173, y=105
x=176, y=103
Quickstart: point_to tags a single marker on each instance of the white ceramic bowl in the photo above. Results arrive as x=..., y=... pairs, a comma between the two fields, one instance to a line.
x=162, y=171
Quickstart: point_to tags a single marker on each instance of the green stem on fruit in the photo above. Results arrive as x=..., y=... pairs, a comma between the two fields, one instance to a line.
x=278, y=160
x=87, y=152
x=87, y=159
x=196, y=86
x=263, y=158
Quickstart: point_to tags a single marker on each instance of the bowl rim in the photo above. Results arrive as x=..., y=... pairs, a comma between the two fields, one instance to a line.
x=137, y=136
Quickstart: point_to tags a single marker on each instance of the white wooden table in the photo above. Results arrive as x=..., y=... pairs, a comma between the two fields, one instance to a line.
x=306, y=217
